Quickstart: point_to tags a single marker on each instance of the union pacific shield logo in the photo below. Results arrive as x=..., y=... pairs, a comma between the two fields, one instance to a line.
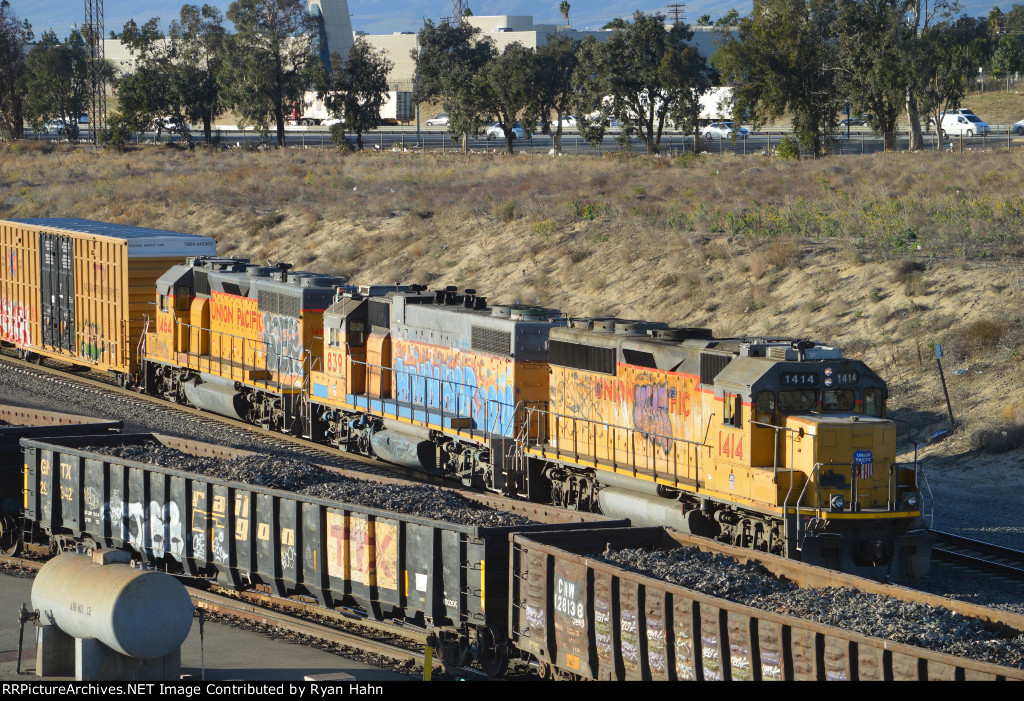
x=862, y=459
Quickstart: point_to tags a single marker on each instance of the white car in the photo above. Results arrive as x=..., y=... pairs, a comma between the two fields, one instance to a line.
x=332, y=121
x=1018, y=128
x=568, y=122
x=496, y=131
x=168, y=124
x=440, y=120
x=724, y=130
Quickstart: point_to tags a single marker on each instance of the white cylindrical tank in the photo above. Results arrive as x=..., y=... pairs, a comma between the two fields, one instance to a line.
x=140, y=613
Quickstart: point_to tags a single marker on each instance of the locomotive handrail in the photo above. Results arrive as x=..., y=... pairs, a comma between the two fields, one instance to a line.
x=434, y=389
x=255, y=346
x=650, y=460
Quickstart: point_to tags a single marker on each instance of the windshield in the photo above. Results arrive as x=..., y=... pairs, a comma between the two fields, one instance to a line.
x=972, y=118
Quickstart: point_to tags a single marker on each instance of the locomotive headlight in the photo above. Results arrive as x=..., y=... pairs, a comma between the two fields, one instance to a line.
x=828, y=381
x=911, y=500
x=828, y=372
x=837, y=502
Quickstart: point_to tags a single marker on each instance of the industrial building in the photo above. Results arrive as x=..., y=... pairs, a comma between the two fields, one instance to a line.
x=336, y=35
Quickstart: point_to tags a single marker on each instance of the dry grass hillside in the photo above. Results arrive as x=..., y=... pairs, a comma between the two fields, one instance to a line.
x=881, y=255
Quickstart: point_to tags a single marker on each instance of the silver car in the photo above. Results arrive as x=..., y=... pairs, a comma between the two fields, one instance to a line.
x=724, y=130
x=440, y=120
x=53, y=126
x=1018, y=128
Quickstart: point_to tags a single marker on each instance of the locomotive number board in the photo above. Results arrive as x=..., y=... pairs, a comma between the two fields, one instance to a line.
x=833, y=378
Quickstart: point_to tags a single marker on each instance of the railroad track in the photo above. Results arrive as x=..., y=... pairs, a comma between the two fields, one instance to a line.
x=266, y=438
x=976, y=555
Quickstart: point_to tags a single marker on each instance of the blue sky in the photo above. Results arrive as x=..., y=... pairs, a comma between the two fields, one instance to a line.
x=386, y=16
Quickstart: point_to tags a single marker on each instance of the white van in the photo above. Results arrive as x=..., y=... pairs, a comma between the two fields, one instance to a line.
x=959, y=124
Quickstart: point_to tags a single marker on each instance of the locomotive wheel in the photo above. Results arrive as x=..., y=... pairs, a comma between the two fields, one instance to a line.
x=492, y=652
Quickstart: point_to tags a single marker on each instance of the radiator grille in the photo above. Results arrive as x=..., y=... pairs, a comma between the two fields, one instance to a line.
x=491, y=341
x=580, y=357
x=710, y=365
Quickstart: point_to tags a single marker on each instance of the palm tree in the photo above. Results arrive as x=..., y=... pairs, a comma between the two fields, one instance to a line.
x=564, y=8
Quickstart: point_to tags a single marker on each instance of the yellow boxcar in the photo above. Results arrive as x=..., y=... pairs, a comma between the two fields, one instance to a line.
x=77, y=289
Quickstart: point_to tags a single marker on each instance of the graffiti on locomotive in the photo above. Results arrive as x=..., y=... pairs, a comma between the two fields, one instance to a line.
x=464, y=384
x=655, y=405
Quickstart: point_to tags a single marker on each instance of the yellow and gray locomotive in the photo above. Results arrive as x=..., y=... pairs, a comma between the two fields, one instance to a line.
x=778, y=445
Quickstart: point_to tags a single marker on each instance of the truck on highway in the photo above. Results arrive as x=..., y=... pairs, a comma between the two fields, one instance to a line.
x=311, y=111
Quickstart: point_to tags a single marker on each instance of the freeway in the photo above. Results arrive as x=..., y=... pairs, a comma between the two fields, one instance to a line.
x=859, y=141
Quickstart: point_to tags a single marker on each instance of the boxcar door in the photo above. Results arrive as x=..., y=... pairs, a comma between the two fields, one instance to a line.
x=57, y=291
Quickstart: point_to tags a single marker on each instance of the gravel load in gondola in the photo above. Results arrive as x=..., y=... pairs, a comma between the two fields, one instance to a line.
x=309, y=479
x=866, y=613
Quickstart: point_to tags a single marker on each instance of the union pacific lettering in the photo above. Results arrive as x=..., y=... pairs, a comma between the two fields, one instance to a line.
x=228, y=312
x=657, y=393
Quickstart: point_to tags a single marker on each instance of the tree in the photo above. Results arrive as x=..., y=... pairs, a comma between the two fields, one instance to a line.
x=944, y=68
x=200, y=37
x=781, y=62
x=650, y=77
x=55, y=81
x=447, y=63
x=729, y=19
x=1008, y=57
x=13, y=39
x=704, y=20
x=268, y=60
x=563, y=7
x=556, y=63
x=505, y=89
x=616, y=23
x=873, y=42
x=161, y=84
x=356, y=88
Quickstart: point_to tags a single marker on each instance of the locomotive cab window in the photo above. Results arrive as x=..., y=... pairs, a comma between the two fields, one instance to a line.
x=764, y=408
x=732, y=410
x=182, y=299
x=792, y=401
x=163, y=303
x=356, y=333
x=837, y=400
x=874, y=402
x=332, y=337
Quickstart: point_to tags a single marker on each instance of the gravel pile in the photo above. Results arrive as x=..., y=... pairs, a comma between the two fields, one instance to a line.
x=295, y=475
x=869, y=614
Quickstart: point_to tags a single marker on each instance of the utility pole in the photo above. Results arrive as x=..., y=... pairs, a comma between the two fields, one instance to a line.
x=96, y=68
x=676, y=9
